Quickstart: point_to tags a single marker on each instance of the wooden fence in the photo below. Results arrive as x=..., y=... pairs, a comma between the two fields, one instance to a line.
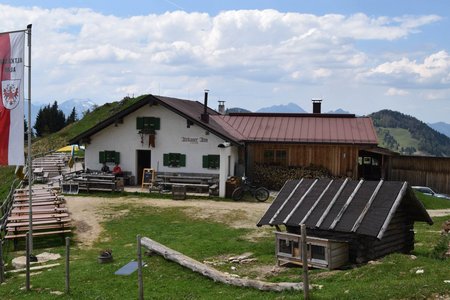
x=433, y=172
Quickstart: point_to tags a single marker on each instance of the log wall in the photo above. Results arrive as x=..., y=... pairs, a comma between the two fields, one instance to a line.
x=399, y=237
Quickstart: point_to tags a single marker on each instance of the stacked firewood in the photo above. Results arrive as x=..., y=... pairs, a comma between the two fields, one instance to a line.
x=274, y=177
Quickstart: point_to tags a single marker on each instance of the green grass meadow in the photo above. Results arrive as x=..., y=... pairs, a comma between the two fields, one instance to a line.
x=392, y=277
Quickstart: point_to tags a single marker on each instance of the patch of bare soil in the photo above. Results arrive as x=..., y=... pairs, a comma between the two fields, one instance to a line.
x=88, y=212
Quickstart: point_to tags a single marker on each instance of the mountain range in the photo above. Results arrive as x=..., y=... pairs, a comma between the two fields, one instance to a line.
x=396, y=131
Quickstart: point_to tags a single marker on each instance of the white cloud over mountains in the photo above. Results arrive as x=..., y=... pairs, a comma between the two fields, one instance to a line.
x=84, y=54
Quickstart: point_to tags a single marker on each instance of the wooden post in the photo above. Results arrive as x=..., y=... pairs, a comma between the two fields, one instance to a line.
x=27, y=255
x=139, y=261
x=304, y=261
x=67, y=265
x=2, y=266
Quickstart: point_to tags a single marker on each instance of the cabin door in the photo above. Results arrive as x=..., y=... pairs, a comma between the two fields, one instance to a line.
x=144, y=160
x=369, y=165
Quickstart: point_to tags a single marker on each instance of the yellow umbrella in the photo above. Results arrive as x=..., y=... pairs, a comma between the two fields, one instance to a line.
x=68, y=148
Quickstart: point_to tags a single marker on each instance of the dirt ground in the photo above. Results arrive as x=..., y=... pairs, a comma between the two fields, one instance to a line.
x=88, y=212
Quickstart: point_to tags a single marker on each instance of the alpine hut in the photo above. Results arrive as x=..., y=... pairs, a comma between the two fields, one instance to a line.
x=346, y=220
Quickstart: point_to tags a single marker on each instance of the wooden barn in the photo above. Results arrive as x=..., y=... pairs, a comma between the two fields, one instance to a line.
x=346, y=220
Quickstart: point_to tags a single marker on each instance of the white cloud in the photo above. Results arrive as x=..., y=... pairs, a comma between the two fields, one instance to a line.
x=396, y=92
x=433, y=71
x=243, y=53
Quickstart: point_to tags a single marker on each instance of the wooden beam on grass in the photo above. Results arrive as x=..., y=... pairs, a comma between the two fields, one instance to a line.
x=214, y=274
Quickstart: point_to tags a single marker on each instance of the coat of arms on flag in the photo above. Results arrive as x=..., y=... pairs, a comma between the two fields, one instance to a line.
x=10, y=93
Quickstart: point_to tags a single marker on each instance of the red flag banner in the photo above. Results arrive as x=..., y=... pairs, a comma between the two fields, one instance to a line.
x=12, y=46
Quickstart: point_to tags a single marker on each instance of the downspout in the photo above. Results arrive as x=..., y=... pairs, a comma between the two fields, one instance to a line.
x=245, y=159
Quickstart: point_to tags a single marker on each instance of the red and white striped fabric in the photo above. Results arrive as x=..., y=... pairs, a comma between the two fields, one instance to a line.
x=11, y=105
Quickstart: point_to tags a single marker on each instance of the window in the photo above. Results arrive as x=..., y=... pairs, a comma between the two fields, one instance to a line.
x=109, y=156
x=211, y=161
x=317, y=252
x=148, y=123
x=174, y=160
x=275, y=156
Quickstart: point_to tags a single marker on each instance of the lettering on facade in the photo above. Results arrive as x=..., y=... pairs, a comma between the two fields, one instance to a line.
x=193, y=140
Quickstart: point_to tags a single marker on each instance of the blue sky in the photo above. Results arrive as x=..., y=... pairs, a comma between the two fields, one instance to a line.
x=361, y=56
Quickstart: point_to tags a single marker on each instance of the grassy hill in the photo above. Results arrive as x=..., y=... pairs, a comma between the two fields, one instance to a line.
x=60, y=139
x=407, y=135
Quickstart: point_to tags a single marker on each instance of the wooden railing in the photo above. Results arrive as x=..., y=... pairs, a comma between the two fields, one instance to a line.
x=6, y=206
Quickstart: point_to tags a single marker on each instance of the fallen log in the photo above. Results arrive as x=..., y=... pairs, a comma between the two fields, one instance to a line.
x=214, y=274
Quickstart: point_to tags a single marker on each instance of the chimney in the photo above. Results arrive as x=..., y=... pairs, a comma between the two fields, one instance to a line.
x=205, y=116
x=221, y=107
x=317, y=106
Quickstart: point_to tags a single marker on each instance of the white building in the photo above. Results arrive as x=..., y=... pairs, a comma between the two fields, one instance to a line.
x=184, y=136
x=166, y=134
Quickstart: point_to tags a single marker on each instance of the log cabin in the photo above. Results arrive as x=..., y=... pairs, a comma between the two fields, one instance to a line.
x=346, y=220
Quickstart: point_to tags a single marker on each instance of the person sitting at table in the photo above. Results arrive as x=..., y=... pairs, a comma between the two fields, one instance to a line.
x=117, y=170
x=105, y=168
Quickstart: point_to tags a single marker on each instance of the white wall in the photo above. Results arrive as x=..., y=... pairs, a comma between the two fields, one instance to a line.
x=124, y=138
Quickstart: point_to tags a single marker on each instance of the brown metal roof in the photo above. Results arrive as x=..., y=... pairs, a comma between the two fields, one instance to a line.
x=360, y=207
x=300, y=128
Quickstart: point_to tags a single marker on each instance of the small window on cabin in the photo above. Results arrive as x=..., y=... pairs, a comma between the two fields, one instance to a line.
x=367, y=160
x=269, y=156
x=211, y=161
x=360, y=160
x=285, y=246
x=317, y=252
x=374, y=161
x=281, y=156
x=174, y=160
x=275, y=157
x=109, y=157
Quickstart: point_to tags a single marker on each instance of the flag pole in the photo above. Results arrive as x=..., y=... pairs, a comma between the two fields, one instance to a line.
x=30, y=164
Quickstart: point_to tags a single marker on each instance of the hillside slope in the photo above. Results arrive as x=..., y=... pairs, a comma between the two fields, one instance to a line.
x=408, y=135
x=59, y=139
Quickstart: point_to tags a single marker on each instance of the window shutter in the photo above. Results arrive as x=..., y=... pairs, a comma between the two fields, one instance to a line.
x=101, y=155
x=155, y=123
x=214, y=161
x=166, y=159
x=117, y=157
x=182, y=160
x=205, y=161
x=139, y=123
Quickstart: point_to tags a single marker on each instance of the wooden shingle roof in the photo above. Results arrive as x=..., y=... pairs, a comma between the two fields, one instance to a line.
x=360, y=207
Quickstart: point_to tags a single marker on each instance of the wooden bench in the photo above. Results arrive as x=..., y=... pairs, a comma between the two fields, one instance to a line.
x=199, y=183
x=22, y=235
x=98, y=182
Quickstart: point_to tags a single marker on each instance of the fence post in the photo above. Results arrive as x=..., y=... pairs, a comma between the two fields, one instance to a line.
x=2, y=266
x=304, y=262
x=27, y=259
x=67, y=265
x=139, y=261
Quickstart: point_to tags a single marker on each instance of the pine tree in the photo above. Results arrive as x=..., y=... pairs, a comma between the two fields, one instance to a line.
x=49, y=119
x=72, y=118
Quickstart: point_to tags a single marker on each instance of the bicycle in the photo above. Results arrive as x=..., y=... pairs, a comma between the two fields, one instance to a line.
x=260, y=193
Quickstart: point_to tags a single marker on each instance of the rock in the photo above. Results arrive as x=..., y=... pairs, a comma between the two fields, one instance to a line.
x=446, y=227
x=20, y=262
x=413, y=257
x=243, y=256
x=420, y=271
x=58, y=293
